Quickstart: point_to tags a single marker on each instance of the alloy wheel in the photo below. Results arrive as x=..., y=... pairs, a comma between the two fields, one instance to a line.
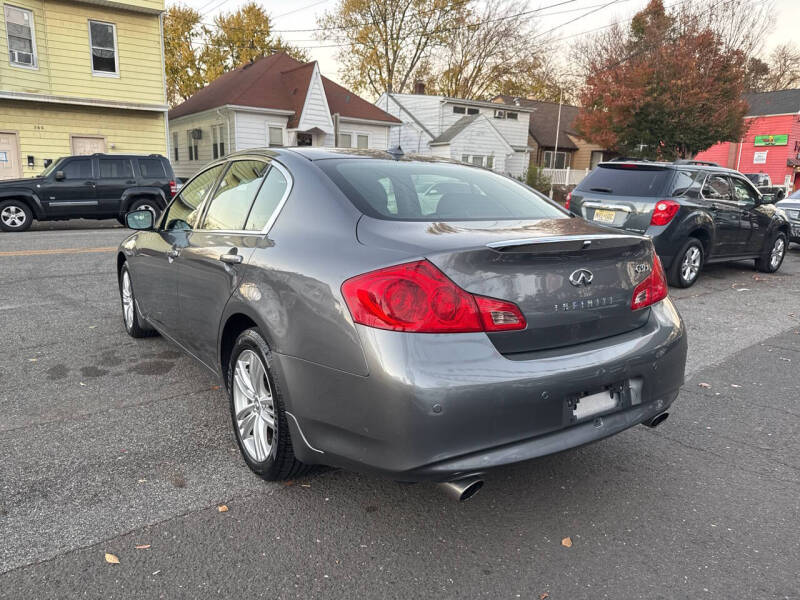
x=127, y=300
x=776, y=256
x=691, y=264
x=254, y=406
x=13, y=216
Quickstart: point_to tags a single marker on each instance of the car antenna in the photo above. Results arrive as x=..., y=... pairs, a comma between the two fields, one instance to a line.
x=396, y=152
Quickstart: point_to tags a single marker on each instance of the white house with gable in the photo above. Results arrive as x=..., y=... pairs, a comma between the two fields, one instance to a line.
x=273, y=101
x=482, y=133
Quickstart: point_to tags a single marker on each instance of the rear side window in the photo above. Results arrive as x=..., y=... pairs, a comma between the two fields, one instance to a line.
x=234, y=196
x=682, y=182
x=627, y=180
x=423, y=191
x=269, y=196
x=115, y=168
x=152, y=168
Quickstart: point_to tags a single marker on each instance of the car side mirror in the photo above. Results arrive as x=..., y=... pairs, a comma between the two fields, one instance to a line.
x=139, y=219
x=60, y=175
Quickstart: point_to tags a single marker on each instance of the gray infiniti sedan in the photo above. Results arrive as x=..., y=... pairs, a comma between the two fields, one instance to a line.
x=416, y=318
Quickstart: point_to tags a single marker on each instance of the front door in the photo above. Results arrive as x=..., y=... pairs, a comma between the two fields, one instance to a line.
x=156, y=280
x=754, y=220
x=9, y=156
x=215, y=257
x=718, y=199
x=86, y=145
x=74, y=195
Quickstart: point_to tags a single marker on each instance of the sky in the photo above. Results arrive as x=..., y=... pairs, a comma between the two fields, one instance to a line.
x=568, y=21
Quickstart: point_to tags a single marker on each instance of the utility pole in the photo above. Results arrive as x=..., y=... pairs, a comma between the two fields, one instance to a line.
x=558, y=129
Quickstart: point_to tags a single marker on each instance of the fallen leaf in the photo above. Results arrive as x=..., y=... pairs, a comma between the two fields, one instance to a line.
x=112, y=559
x=142, y=546
x=288, y=483
x=83, y=384
x=33, y=359
x=214, y=387
x=305, y=485
x=544, y=596
x=736, y=386
x=567, y=542
x=222, y=508
x=156, y=572
x=704, y=385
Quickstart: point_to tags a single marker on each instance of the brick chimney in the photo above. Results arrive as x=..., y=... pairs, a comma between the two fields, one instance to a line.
x=419, y=87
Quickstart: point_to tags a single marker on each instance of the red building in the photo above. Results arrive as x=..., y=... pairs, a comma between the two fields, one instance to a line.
x=772, y=142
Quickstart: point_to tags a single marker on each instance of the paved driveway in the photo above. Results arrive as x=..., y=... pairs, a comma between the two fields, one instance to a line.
x=110, y=443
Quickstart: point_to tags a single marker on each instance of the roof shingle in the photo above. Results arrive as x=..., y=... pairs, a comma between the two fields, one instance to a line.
x=773, y=103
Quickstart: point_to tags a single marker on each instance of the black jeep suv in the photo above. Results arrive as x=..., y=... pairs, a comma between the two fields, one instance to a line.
x=695, y=213
x=100, y=186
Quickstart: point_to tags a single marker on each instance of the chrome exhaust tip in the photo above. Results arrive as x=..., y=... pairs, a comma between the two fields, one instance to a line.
x=462, y=489
x=657, y=420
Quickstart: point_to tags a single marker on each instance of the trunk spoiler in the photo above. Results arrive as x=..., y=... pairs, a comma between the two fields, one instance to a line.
x=585, y=239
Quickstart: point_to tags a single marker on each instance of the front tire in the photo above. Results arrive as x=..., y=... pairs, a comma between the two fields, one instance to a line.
x=15, y=215
x=135, y=325
x=687, y=264
x=772, y=258
x=258, y=413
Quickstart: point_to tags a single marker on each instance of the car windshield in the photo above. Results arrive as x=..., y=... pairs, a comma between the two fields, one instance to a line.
x=627, y=180
x=422, y=191
x=52, y=167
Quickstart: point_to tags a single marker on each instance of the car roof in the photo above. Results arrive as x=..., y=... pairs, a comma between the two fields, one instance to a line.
x=322, y=153
x=682, y=165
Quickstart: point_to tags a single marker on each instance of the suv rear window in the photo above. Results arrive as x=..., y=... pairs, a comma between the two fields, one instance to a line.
x=152, y=168
x=627, y=180
x=422, y=191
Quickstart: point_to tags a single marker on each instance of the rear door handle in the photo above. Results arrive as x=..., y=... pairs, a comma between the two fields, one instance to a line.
x=231, y=259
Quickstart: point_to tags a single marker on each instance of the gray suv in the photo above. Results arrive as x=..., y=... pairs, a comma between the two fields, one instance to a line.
x=695, y=212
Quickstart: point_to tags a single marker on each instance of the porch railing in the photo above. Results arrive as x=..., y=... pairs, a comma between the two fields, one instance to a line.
x=565, y=176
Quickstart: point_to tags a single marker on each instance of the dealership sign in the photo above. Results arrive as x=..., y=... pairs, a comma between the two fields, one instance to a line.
x=771, y=140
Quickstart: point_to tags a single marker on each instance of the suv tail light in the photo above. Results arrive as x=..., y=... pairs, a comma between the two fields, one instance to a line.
x=569, y=200
x=173, y=188
x=418, y=297
x=664, y=211
x=653, y=289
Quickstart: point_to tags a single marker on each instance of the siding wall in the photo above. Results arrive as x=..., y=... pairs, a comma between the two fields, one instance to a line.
x=64, y=59
x=582, y=157
x=315, y=110
x=378, y=134
x=251, y=129
x=409, y=136
x=184, y=167
x=479, y=138
x=44, y=129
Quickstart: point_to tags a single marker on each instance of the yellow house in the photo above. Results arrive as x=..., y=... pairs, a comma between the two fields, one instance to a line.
x=79, y=78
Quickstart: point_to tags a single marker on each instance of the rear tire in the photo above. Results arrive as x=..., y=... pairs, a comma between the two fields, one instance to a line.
x=144, y=204
x=258, y=413
x=772, y=258
x=15, y=215
x=686, y=266
x=135, y=324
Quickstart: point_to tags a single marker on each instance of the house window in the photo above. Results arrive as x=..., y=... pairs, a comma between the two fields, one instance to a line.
x=345, y=140
x=459, y=110
x=512, y=115
x=275, y=136
x=362, y=141
x=555, y=160
x=499, y=114
x=465, y=158
x=472, y=111
x=175, y=153
x=217, y=145
x=192, y=144
x=490, y=162
x=596, y=158
x=478, y=160
x=21, y=42
x=103, y=42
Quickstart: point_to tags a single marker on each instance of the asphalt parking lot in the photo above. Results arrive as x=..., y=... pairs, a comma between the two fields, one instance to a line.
x=122, y=446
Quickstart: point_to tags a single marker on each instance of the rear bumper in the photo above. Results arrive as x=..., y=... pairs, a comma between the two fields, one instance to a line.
x=435, y=407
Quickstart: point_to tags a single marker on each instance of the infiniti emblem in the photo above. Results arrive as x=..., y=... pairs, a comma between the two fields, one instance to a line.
x=581, y=277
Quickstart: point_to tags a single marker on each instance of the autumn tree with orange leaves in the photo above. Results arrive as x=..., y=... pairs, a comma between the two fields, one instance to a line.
x=669, y=88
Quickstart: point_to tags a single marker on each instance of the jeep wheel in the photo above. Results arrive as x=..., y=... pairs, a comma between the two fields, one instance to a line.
x=772, y=258
x=145, y=204
x=15, y=215
x=687, y=264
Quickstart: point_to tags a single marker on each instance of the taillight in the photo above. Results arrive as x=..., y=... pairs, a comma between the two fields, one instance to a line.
x=173, y=188
x=653, y=289
x=418, y=297
x=568, y=201
x=664, y=211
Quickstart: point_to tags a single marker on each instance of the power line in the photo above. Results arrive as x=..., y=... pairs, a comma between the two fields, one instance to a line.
x=296, y=10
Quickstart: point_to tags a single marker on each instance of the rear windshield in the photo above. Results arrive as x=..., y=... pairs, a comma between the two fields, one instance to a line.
x=625, y=180
x=419, y=191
